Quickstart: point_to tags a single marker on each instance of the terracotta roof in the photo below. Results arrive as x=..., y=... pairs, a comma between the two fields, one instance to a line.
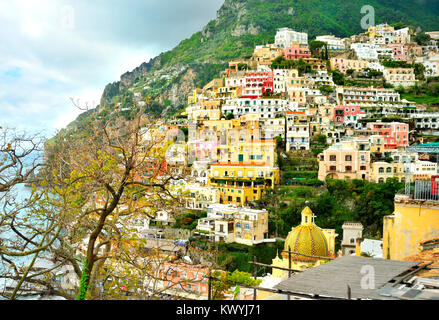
x=427, y=256
x=295, y=112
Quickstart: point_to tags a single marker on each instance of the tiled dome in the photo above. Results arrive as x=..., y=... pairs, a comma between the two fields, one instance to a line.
x=306, y=238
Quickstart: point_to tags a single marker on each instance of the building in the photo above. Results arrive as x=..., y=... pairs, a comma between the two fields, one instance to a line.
x=295, y=52
x=381, y=171
x=381, y=34
x=266, y=108
x=400, y=51
x=204, y=110
x=351, y=232
x=346, y=278
x=183, y=280
x=317, y=79
x=345, y=160
x=244, y=170
x=396, y=134
x=348, y=115
x=297, y=131
x=369, y=51
x=230, y=223
x=344, y=65
x=431, y=65
x=310, y=246
x=251, y=226
x=279, y=80
x=200, y=197
x=333, y=42
x=400, y=76
x=242, y=182
x=272, y=127
x=257, y=84
x=264, y=55
x=415, y=219
x=285, y=36
x=365, y=96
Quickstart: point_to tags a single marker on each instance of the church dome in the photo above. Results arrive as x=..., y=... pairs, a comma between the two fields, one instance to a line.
x=307, y=239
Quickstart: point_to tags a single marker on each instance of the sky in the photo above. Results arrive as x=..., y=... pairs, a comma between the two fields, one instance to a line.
x=54, y=50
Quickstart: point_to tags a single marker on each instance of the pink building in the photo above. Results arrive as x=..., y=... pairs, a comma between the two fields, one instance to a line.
x=296, y=53
x=182, y=279
x=396, y=134
x=348, y=115
x=400, y=51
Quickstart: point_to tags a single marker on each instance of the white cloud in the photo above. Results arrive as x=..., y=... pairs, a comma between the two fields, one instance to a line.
x=52, y=51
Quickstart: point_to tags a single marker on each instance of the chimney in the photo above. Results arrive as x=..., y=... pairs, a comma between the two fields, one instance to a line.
x=358, y=248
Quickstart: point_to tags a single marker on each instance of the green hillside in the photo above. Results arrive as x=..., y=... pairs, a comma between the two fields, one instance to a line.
x=240, y=26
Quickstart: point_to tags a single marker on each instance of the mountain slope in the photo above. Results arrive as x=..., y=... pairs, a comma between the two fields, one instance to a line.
x=242, y=24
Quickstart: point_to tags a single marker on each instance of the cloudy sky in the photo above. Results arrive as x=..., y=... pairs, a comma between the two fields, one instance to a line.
x=54, y=50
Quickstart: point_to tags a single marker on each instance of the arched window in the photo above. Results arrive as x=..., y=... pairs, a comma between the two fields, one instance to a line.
x=381, y=170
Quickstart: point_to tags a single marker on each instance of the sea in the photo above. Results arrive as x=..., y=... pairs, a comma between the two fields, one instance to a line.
x=19, y=193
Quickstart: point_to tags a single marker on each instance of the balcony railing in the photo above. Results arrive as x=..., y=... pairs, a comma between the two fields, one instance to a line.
x=426, y=190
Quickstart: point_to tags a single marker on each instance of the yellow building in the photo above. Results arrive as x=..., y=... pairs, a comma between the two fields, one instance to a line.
x=214, y=84
x=381, y=171
x=309, y=240
x=195, y=97
x=412, y=222
x=264, y=55
x=242, y=182
x=204, y=110
x=227, y=92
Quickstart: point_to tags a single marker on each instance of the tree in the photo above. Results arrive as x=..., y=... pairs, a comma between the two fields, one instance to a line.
x=223, y=281
x=104, y=180
x=316, y=47
x=27, y=227
x=338, y=77
x=326, y=89
x=422, y=39
x=230, y=116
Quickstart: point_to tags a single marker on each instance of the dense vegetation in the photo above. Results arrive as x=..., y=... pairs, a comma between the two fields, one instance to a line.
x=333, y=204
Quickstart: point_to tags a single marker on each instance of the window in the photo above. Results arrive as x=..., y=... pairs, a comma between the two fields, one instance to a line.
x=333, y=158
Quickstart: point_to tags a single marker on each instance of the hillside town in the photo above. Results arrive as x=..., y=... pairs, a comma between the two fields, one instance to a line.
x=345, y=96
x=340, y=109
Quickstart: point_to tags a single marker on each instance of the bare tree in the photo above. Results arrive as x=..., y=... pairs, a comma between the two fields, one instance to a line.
x=99, y=177
x=26, y=228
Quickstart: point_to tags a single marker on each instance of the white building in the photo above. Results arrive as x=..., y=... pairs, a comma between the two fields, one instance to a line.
x=365, y=96
x=273, y=127
x=297, y=132
x=285, y=36
x=279, y=80
x=431, y=65
x=333, y=42
x=351, y=231
x=368, y=51
x=266, y=108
